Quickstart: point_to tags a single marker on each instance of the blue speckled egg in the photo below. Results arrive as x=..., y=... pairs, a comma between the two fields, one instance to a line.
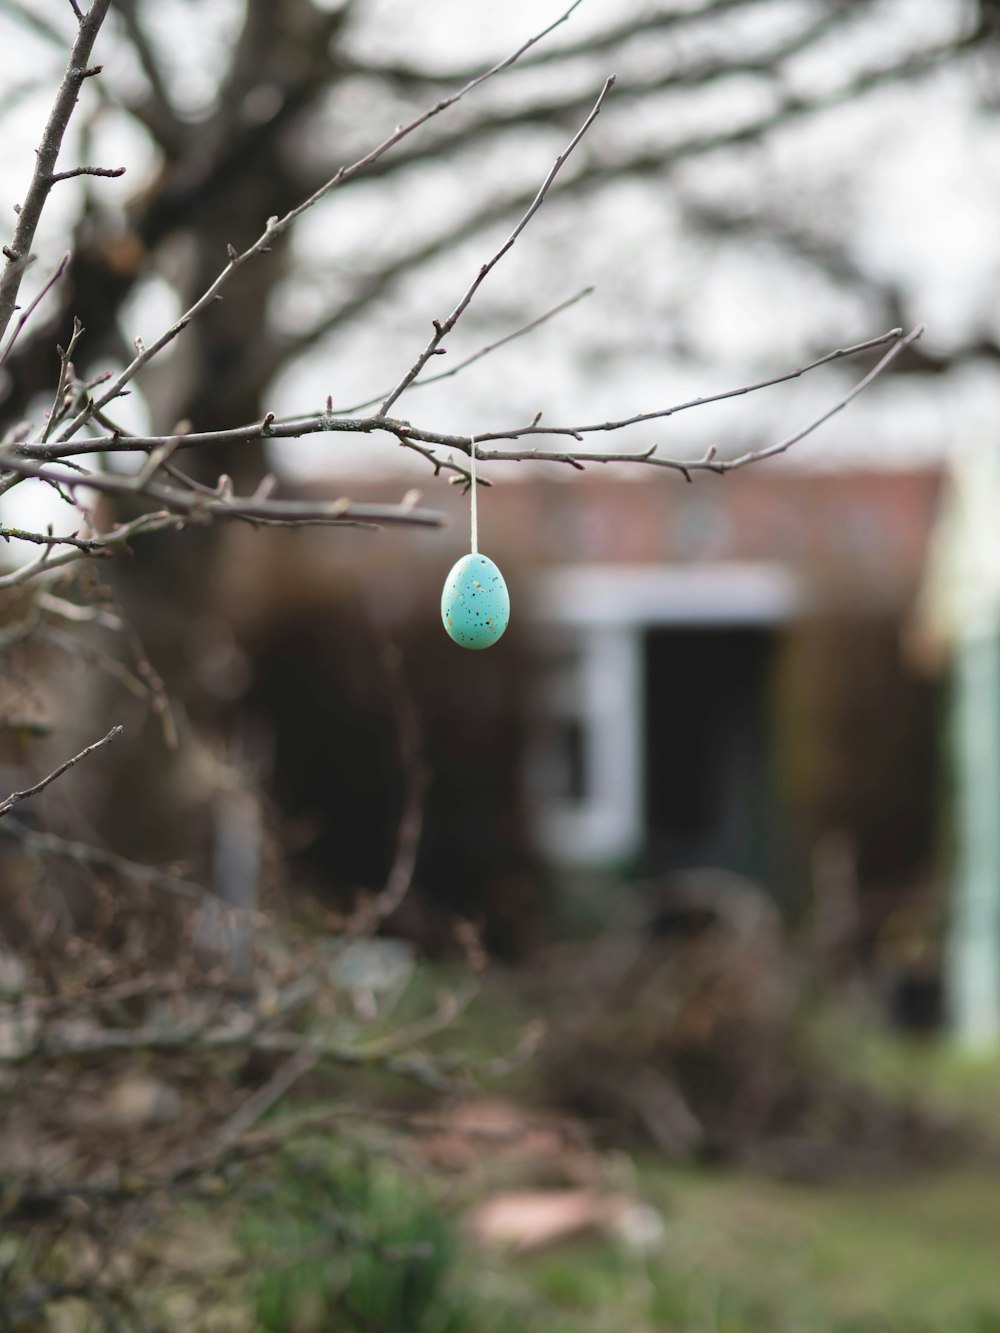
x=475, y=605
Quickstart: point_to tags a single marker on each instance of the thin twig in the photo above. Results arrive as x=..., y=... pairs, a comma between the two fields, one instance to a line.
x=111, y=172
x=197, y=1040
x=35, y=567
x=709, y=461
x=221, y=504
x=47, y=539
x=204, y=502
x=476, y=356
x=441, y=330
x=120, y=536
x=76, y=648
x=61, y=400
x=99, y=858
x=58, y=606
x=33, y=306
x=893, y=336
x=243, y=1118
x=17, y=796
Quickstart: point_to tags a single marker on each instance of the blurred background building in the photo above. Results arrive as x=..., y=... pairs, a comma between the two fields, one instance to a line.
x=704, y=676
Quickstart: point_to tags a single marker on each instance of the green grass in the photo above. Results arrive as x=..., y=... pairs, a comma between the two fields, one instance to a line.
x=352, y=1245
x=931, y=1072
x=745, y=1255
x=912, y=1253
x=917, y=1254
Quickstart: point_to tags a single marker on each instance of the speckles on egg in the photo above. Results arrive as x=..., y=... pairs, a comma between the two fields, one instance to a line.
x=475, y=604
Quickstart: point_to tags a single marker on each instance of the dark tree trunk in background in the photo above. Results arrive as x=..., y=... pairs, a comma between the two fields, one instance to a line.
x=219, y=182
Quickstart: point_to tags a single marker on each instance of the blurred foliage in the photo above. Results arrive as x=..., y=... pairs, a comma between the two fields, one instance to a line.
x=339, y=1234
x=395, y=1273
x=929, y=1070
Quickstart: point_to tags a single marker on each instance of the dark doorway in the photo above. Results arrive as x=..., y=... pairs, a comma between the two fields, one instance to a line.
x=709, y=799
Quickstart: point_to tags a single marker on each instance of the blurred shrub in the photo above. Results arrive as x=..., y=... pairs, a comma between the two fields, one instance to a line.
x=353, y=1245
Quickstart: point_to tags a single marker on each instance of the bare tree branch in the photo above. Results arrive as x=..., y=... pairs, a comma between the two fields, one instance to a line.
x=894, y=337
x=47, y=539
x=244, y=1117
x=36, y=301
x=99, y=858
x=18, y=252
x=276, y=226
x=391, y=1053
x=408, y=434
x=441, y=330
x=478, y=356
x=17, y=796
x=220, y=503
x=180, y=499
x=61, y=401
x=111, y=172
x=710, y=461
x=104, y=546
x=658, y=161
x=689, y=74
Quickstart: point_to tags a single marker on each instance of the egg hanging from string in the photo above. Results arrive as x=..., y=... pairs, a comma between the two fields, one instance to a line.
x=475, y=604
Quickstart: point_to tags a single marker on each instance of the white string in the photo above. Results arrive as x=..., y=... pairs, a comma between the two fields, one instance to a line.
x=475, y=516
